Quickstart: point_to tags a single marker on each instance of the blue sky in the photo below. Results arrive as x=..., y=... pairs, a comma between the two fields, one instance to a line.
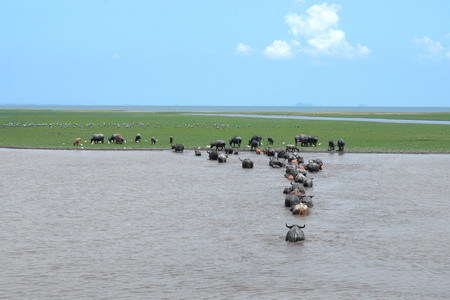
x=235, y=52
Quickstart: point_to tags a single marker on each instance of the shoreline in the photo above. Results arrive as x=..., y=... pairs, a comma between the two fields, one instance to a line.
x=205, y=149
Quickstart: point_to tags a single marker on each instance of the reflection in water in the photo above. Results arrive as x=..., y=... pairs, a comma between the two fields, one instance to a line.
x=92, y=224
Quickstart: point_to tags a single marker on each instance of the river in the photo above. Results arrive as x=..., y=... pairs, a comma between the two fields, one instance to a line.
x=159, y=224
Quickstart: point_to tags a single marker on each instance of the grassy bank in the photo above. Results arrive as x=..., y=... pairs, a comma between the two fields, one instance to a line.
x=59, y=129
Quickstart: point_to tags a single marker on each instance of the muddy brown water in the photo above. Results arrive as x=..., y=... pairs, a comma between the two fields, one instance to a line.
x=158, y=224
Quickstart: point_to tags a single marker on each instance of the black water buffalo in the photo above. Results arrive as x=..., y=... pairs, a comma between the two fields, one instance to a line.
x=228, y=150
x=178, y=147
x=341, y=145
x=137, y=138
x=276, y=163
x=313, y=141
x=271, y=152
x=96, y=138
x=292, y=148
x=236, y=140
x=246, y=163
x=270, y=140
x=295, y=233
x=222, y=158
x=171, y=139
x=253, y=144
x=255, y=138
x=218, y=144
x=213, y=155
x=331, y=146
x=282, y=154
x=153, y=140
x=299, y=139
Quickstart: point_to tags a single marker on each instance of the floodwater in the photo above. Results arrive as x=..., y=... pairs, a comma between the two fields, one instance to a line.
x=160, y=225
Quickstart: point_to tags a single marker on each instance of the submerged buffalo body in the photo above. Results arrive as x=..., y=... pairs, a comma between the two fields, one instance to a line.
x=247, y=163
x=213, y=155
x=295, y=233
x=96, y=138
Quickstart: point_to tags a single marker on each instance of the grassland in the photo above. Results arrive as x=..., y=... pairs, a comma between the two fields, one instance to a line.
x=54, y=129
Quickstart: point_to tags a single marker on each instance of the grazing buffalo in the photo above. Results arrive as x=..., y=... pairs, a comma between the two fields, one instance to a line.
x=313, y=141
x=341, y=145
x=295, y=233
x=299, y=139
x=331, y=146
x=236, y=140
x=96, y=138
x=116, y=138
x=257, y=138
x=253, y=144
x=171, y=139
x=218, y=144
x=178, y=147
x=137, y=138
x=153, y=140
x=213, y=155
x=77, y=141
x=270, y=140
x=246, y=163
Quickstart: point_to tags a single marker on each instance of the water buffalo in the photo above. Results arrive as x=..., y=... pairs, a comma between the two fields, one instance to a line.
x=222, y=158
x=271, y=152
x=276, y=163
x=331, y=145
x=198, y=153
x=236, y=140
x=299, y=139
x=341, y=145
x=253, y=144
x=218, y=144
x=292, y=148
x=228, y=150
x=213, y=155
x=270, y=140
x=282, y=154
x=295, y=233
x=300, y=209
x=171, y=139
x=153, y=140
x=77, y=141
x=257, y=138
x=178, y=147
x=246, y=163
x=116, y=138
x=137, y=138
x=96, y=138
x=313, y=141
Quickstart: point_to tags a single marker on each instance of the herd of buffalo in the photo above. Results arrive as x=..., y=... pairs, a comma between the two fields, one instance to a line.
x=296, y=171
x=290, y=159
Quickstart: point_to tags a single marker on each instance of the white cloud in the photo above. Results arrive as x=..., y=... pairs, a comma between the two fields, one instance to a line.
x=430, y=49
x=278, y=50
x=243, y=49
x=320, y=29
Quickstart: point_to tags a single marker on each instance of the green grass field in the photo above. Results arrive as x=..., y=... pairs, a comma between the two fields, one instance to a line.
x=59, y=129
